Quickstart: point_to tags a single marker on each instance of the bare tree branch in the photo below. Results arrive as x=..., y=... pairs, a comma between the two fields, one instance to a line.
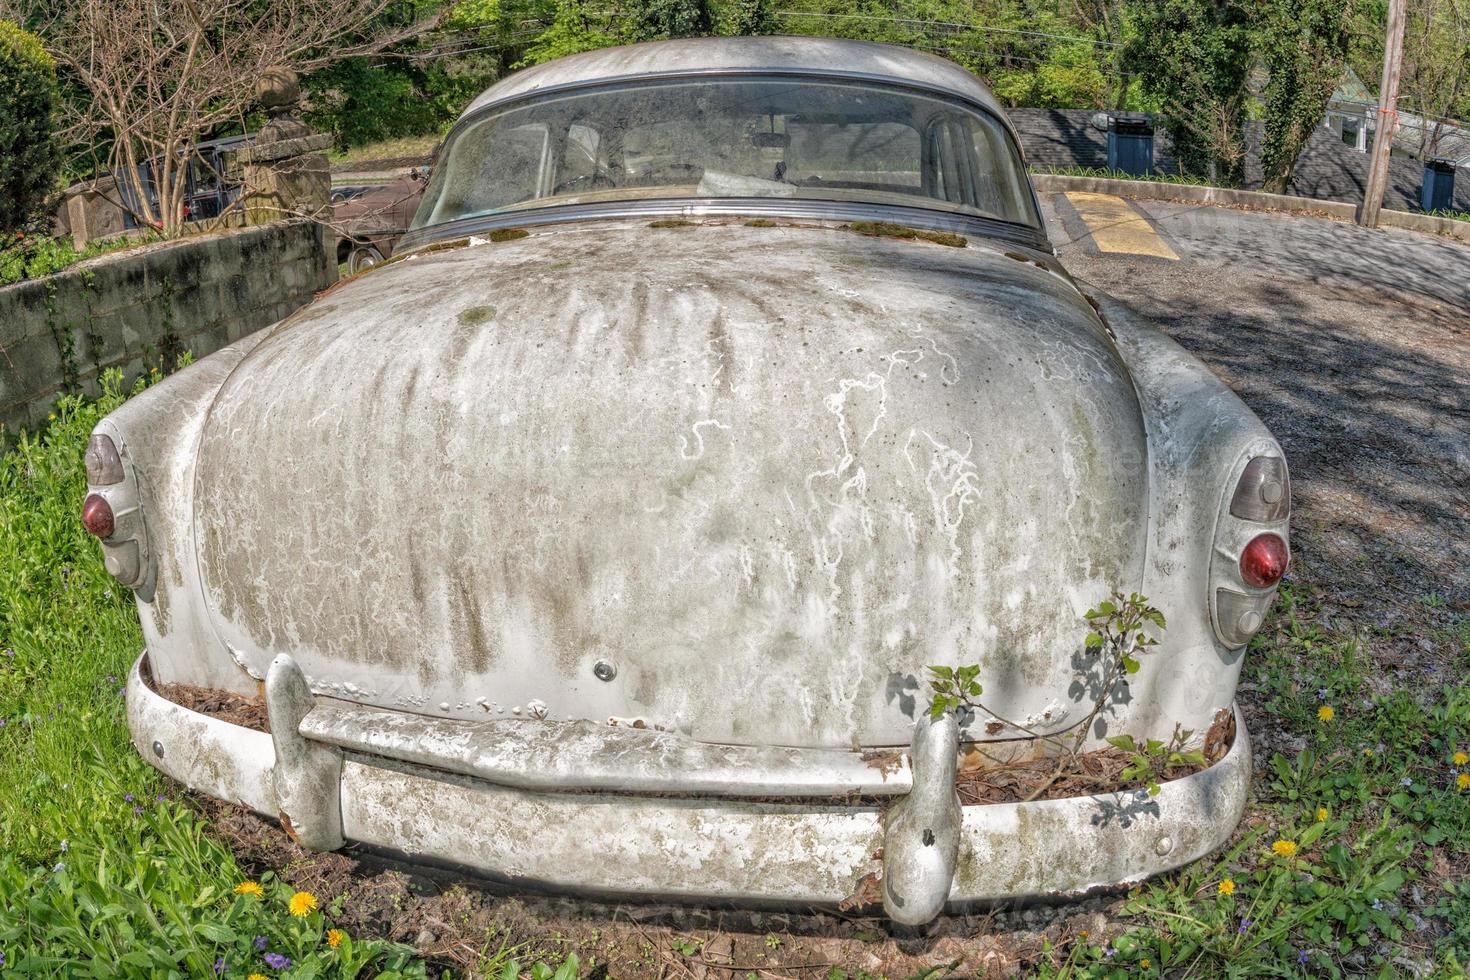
x=162, y=74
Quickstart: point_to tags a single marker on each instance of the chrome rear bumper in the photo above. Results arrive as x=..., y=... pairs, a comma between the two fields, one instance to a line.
x=325, y=775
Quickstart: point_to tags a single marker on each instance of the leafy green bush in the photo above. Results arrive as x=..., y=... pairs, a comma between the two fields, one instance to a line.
x=32, y=257
x=29, y=160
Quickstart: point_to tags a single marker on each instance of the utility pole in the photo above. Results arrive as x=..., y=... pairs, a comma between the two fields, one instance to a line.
x=1388, y=116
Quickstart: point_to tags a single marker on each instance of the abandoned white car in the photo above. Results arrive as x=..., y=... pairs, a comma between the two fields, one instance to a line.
x=605, y=538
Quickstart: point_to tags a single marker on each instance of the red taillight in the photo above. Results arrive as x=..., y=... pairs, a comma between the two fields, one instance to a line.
x=1263, y=561
x=97, y=516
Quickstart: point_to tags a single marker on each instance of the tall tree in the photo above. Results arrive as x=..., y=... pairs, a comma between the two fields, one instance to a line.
x=1304, y=48
x=755, y=17
x=1192, y=57
x=659, y=19
x=28, y=157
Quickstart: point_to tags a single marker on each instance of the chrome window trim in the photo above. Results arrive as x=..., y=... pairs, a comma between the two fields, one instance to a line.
x=730, y=207
x=811, y=209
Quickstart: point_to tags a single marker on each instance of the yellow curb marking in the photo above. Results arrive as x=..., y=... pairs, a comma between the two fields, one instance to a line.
x=1116, y=227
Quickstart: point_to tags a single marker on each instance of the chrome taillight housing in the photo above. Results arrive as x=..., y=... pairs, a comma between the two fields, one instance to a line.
x=113, y=512
x=1251, y=549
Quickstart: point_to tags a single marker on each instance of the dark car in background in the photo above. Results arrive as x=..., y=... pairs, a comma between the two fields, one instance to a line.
x=370, y=220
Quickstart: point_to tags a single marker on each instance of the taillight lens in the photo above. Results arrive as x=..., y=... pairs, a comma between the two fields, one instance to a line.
x=104, y=465
x=97, y=516
x=1264, y=491
x=1263, y=561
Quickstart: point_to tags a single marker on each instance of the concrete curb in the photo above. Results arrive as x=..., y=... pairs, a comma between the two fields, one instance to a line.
x=1150, y=190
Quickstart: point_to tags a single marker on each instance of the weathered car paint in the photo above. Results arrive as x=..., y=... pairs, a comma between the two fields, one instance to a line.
x=769, y=474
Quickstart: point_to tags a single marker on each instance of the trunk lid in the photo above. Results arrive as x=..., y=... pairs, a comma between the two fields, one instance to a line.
x=744, y=483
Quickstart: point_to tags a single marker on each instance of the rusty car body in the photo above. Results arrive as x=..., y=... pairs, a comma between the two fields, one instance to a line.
x=601, y=539
x=369, y=221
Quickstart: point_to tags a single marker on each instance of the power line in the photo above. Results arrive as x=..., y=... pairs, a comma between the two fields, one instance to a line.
x=952, y=24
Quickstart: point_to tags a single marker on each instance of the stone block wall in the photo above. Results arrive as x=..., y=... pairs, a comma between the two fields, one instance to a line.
x=142, y=308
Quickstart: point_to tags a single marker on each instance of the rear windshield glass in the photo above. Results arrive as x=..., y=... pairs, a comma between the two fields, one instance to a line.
x=731, y=138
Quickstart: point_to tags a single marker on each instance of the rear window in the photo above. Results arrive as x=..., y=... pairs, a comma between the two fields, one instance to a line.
x=732, y=137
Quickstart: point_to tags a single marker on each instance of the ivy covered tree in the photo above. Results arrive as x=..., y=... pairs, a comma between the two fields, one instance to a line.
x=29, y=160
x=1192, y=58
x=1304, y=48
x=659, y=19
x=755, y=17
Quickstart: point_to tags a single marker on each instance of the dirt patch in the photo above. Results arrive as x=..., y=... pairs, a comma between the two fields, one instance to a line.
x=224, y=705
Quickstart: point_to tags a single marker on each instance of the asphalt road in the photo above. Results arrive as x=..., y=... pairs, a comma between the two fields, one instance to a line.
x=1353, y=346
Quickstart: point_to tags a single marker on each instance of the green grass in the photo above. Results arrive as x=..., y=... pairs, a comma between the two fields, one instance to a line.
x=1106, y=174
x=102, y=871
x=406, y=146
x=1451, y=214
x=32, y=258
x=1373, y=805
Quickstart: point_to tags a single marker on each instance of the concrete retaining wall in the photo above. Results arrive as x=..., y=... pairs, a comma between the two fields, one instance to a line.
x=142, y=308
x=1154, y=190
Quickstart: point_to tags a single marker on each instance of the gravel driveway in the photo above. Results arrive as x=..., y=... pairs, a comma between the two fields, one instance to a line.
x=1354, y=347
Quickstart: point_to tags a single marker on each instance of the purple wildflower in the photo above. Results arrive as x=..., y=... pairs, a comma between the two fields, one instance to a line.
x=1322, y=694
x=128, y=797
x=219, y=966
x=65, y=847
x=1245, y=925
x=277, y=961
x=60, y=867
x=1378, y=903
x=137, y=811
x=1406, y=781
x=1110, y=952
x=260, y=943
x=1302, y=956
x=2, y=957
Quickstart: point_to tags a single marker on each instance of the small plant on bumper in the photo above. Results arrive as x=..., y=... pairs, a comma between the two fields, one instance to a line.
x=1116, y=640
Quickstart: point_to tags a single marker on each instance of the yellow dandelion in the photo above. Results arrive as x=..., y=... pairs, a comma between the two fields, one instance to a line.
x=1463, y=780
x=1321, y=814
x=1143, y=963
x=302, y=904
x=1367, y=753
x=51, y=417
x=1227, y=886
x=335, y=937
x=1460, y=758
x=257, y=976
x=1284, y=848
x=249, y=888
x=1325, y=713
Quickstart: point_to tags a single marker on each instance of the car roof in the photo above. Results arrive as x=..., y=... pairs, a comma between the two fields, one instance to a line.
x=818, y=56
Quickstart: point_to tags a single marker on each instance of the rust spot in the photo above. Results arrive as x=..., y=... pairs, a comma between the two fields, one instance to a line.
x=507, y=234
x=760, y=223
x=885, y=762
x=1220, y=736
x=993, y=728
x=288, y=828
x=869, y=891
